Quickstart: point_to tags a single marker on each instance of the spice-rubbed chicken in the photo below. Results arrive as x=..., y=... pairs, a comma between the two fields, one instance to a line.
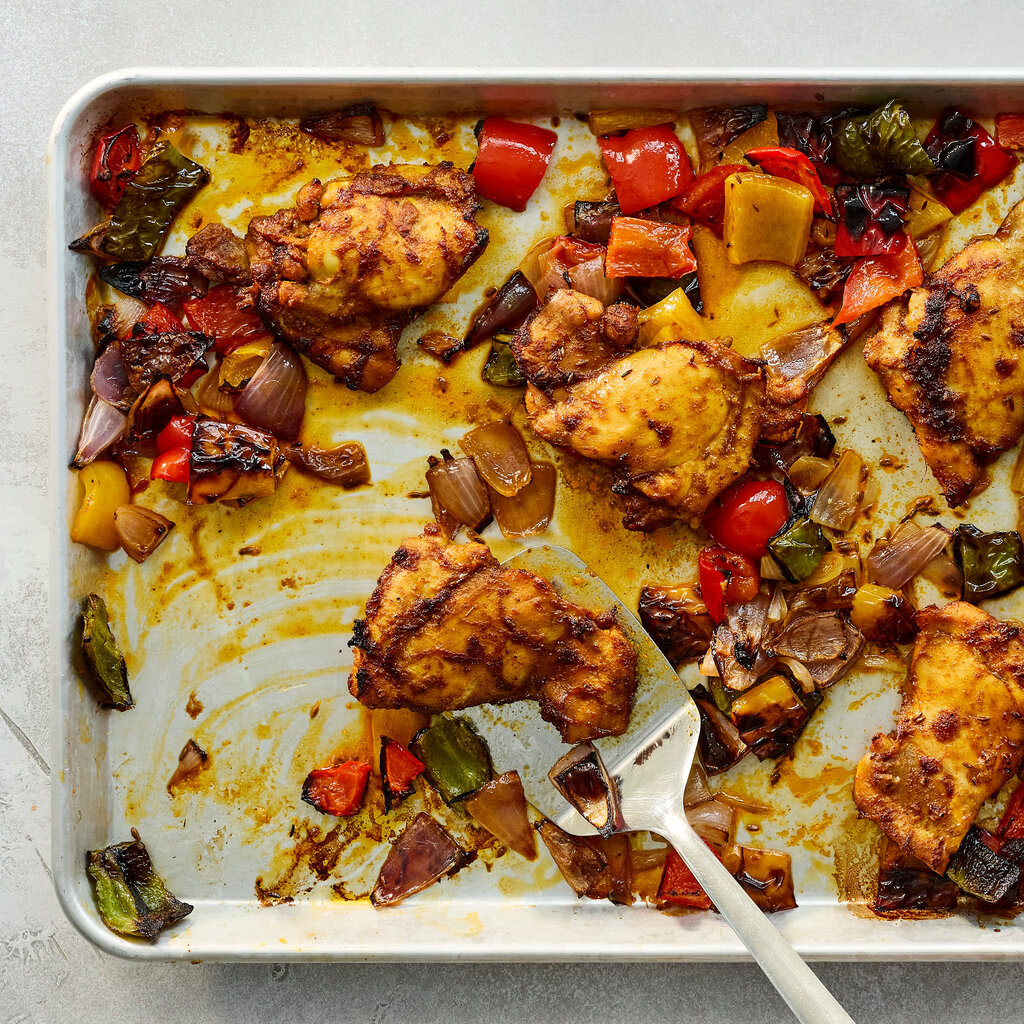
x=345, y=270
x=959, y=734
x=949, y=356
x=448, y=627
x=676, y=422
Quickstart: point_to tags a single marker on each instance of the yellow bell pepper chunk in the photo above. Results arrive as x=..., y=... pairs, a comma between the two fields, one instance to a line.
x=241, y=363
x=106, y=488
x=924, y=214
x=673, y=314
x=766, y=218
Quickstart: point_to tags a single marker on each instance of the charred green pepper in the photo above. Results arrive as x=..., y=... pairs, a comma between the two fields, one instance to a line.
x=980, y=871
x=798, y=548
x=103, y=657
x=501, y=368
x=132, y=897
x=881, y=142
x=456, y=758
x=990, y=563
x=159, y=189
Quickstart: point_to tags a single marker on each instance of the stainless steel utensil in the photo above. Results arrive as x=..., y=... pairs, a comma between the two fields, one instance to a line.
x=650, y=765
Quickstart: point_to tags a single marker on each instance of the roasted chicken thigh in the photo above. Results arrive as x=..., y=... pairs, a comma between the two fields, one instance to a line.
x=448, y=627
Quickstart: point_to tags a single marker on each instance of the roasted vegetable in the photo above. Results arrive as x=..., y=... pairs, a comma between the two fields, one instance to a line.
x=647, y=166
x=233, y=464
x=991, y=563
x=500, y=806
x=140, y=530
x=594, y=867
x=103, y=657
x=716, y=128
x=592, y=222
x=106, y=489
x=239, y=365
x=456, y=758
x=116, y=158
x=674, y=312
x=152, y=198
x=338, y=789
x=879, y=142
x=770, y=716
x=678, y=886
x=164, y=279
x=501, y=368
x=874, y=280
x=604, y=122
x=798, y=548
x=510, y=305
x=904, y=883
x=870, y=219
x=398, y=771
x=346, y=465
x=719, y=745
x=511, y=160
x=813, y=135
x=980, y=871
x=745, y=516
x=581, y=777
x=725, y=578
x=359, y=123
x=766, y=218
x=647, y=248
x=191, y=761
x=767, y=876
x=423, y=854
x=132, y=898
x=677, y=621
x=883, y=615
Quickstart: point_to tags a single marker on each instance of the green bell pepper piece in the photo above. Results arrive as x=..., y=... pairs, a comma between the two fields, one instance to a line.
x=991, y=563
x=798, y=548
x=103, y=657
x=881, y=142
x=501, y=368
x=458, y=762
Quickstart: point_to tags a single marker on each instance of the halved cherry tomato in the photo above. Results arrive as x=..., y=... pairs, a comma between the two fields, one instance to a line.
x=511, y=161
x=177, y=434
x=1010, y=131
x=648, y=248
x=337, y=790
x=968, y=158
x=704, y=198
x=793, y=165
x=647, y=166
x=870, y=219
x=117, y=157
x=875, y=280
x=745, y=516
x=1012, y=824
x=678, y=886
x=217, y=314
x=725, y=578
x=160, y=320
x=172, y=465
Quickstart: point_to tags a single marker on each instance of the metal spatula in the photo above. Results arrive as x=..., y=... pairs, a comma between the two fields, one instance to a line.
x=650, y=763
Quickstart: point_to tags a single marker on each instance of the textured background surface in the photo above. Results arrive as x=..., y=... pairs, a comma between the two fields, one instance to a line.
x=47, y=972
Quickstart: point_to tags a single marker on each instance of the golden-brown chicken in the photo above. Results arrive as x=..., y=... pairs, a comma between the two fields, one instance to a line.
x=959, y=734
x=448, y=627
x=949, y=356
x=344, y=271
x=676, y=422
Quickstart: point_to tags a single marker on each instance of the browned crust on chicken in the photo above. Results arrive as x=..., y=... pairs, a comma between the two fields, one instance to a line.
x=949, y=357
x=343, y=272
x=448, y=627
x=959, y=734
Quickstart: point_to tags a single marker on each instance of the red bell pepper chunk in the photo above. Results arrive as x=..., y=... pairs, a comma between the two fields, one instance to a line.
x=1012, y=825
x=511, y=160
x=116, y=158
x=217, y=314
x=725, y=578
x=678, y=886
x=399, y=769
x=337, y=790
x=1010, y=131
x=648, y=248
x=172, y=465
x=177, y=434
x=160, y=320
x=870, y=219
x=704, y=198
x=968, y=158
x=793, y=165
x=874, y=280
x=647, y=166
x=747, y=515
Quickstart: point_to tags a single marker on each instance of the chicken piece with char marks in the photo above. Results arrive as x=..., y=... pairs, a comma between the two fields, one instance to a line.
x=448, y=627
x=344, y=271
x=950, y=358
x=676, y=422
x=959, y=733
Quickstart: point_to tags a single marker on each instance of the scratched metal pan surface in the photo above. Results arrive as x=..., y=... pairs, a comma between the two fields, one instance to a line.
x=237, y=634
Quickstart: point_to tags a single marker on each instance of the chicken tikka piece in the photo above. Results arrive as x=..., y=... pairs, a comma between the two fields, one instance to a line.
x=677, y=422
x=949, y=357
x=354, y=261
x=449, y=627
x=959, y=733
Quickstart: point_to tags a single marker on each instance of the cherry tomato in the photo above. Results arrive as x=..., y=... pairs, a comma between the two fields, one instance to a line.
x=725, y=578
x=511, y=161
x=647, y=166
x=117, y=157
x=217, y=315
x=177, y=434
x=172, y=465
x=747, y=515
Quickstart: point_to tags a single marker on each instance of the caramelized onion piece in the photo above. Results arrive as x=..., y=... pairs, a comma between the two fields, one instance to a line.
x=529, y=511
x=102, y=426
x=217, y=404
x=677, y=620
x=500, y=806
x=109, y=378
x=359, y=123
x=767, y=876
x=456, y=489
x=712, y=821
x=840, y=497
x=500, y=455
x=275, y=398
x=909, y=551
x=190, y=762
x=508, y=308
x=140, y=530
x=589, y=278
x=811, y=636
x=581, y=777
x=422, y=855
x=581, y=860
x=347, y=465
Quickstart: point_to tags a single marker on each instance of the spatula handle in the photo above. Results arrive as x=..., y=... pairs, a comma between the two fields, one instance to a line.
x=807, y=997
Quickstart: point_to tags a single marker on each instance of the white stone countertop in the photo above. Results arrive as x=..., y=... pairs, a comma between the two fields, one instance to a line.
x=47, y=51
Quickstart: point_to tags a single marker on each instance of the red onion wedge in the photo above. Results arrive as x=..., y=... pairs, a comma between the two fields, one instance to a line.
x=359, y=123
x=101, y=427
x=501, y=457
x=508, y=308
x=529, y=511
x=275, y=399
x=346, y=465
x=455, y=488
x=909, y=551
x=588, y=277
x=581, y=777
x=500, y=806
x=712, y=821
x=423, y=854
x=140, y=530
x=109, y=378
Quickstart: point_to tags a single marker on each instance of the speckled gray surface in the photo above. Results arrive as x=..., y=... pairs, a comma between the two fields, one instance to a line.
x=47, y=972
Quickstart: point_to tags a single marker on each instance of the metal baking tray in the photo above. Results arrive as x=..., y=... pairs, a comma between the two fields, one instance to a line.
x=259, y=644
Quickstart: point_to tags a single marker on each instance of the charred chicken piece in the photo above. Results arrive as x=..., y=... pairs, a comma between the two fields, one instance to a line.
x=959, y=733
x=677, y=423
x=949, y=357
x=346, y=269
x=448, y=627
